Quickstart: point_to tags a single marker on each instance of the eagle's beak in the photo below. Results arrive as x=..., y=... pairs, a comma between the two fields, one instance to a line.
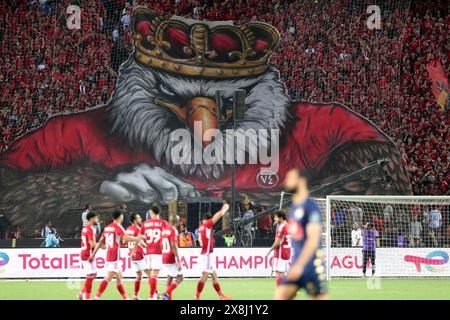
x=200, y=109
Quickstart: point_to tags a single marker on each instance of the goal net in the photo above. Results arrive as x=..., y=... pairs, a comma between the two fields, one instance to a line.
x=412, y=235
x=284, y=204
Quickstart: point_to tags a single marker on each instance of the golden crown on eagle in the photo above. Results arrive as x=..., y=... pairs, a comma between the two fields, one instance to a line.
x=199, y=49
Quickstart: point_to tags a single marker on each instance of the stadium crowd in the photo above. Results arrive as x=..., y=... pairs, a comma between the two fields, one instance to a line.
x=327, y=53
x=397, y=225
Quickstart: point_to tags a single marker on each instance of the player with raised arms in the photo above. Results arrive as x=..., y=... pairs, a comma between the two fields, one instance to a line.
x=113, y=235
x=137, y=257
x=171, y=259
x=88, y=235
x=207, y=261
x=151, y=231
x=281, y=246
x=307, y=269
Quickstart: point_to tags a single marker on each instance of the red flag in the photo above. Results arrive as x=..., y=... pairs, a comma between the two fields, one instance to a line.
x=439, y=81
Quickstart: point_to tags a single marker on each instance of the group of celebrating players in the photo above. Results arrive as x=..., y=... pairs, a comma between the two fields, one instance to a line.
x=153, y=247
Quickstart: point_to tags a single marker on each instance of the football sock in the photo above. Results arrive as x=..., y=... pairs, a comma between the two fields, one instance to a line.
x=88, y=286
x=137, y=286
x=102, y=287
x=216, y=286
x=172, y=286
x=278, y=280
x=121, y=289
x=153, y=283
x=200, y=286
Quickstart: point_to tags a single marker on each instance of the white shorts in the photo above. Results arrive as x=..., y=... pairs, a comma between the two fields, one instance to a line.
x=280, y=265
x=153, y=261
x=172, y=270
x=139, y=265
x=89, y=267
x=113, y=266
x=207, y=263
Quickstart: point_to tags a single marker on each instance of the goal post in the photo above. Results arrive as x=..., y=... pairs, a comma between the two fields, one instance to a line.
x=284, y=204
x=413, y=235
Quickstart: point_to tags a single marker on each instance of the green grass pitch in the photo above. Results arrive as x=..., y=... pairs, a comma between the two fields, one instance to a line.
x=243, y=288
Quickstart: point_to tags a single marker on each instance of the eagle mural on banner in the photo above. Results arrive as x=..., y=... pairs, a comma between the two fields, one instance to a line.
x=122, y=152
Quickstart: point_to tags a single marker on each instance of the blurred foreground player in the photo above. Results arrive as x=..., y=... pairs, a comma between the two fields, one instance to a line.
x=88, y=236
x=307, y=270
x=369, y=235
x=281, y=246
x=171, y=260
x=137, y=256
x=112, y=236
x=151, y=231
x=207, y=263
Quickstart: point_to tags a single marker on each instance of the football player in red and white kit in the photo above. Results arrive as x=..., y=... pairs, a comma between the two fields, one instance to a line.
x=112, y=236
x=151, y=231
x=171, y=259
x=137, y=257
x=207, y=261
x=281, y=246
x=88, y=235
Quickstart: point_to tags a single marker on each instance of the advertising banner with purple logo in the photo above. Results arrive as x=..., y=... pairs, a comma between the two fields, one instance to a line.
x=230, y=262
x=393, y=262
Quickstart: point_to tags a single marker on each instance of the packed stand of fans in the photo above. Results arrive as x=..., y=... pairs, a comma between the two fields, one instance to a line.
x=396, y=225
x=327, y=53
x=45, y=68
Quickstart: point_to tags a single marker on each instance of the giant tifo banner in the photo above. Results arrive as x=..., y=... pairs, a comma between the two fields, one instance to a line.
x=230, y=262
x=165, y=135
